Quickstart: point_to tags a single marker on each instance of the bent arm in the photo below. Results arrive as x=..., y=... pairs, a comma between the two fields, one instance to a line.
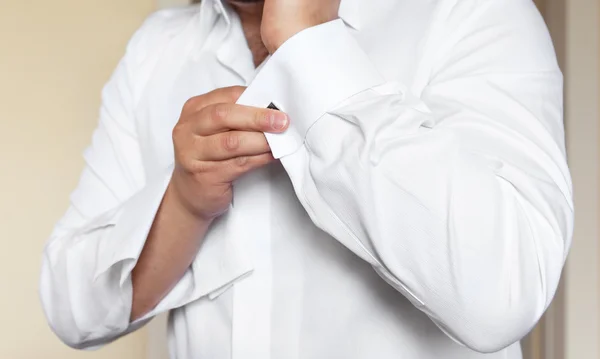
x=124, y=251
x=460, y=196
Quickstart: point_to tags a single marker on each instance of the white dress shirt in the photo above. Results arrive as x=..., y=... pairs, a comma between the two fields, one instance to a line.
x=421, y=207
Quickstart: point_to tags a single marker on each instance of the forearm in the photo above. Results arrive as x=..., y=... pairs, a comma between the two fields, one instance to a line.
x=172, y=244
x=208, y=159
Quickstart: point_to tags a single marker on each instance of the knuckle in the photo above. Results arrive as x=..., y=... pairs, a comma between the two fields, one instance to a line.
x=187, y=163
x=178, y=131
x=235, y=92
x=242, y=161
x=219, y=112
x=199, y=167
x=262, y=120
x=191, y=104
x=230, y=142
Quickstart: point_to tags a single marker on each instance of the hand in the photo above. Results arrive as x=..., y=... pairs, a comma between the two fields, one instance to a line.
x=216, y=142
x=283, y=19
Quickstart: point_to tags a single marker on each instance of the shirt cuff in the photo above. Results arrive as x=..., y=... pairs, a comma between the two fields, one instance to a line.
x=308, y=75
x=132, y=223
x=216, y=267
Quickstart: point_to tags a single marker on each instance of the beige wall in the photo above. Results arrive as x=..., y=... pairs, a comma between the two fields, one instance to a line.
x=571, y=329
x=583, y=125
x=54, y=57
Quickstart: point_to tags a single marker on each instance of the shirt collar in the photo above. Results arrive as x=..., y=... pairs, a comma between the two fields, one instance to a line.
x=349, y=12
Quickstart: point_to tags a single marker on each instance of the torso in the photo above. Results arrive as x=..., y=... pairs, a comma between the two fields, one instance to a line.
x=220, y=327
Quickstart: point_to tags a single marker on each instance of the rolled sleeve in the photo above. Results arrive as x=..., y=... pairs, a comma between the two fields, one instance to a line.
x=132, y=225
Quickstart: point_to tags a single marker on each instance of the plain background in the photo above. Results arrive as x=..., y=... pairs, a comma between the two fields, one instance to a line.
x=55, y=55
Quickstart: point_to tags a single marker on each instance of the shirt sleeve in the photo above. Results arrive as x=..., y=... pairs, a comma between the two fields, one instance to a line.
x=85, y=285
x=458, y=196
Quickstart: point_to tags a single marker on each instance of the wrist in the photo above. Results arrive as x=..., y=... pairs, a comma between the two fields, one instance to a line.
x=274, y=42
x=282, y=19
x=181, y=204
x=274, y=37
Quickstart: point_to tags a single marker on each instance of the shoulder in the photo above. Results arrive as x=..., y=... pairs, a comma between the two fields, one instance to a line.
x=158, y=29
x=501, y=33
x=151, y=42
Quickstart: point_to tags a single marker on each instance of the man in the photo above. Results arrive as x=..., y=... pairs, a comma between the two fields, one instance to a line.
x=419, y=207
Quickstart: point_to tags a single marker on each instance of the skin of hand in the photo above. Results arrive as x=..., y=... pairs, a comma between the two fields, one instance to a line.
x=283, y=19
x=216, y=142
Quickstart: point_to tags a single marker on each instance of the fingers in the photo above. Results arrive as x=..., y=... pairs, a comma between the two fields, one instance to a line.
x=236, y=167
x=225, y=117
x=230, y=144
x=221, y=95
x=219, y=140
x=229, y=170
x=216, y=112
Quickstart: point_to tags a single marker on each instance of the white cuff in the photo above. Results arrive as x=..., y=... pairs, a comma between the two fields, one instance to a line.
x=218, y=264
x=132, y=224
x=308, y=75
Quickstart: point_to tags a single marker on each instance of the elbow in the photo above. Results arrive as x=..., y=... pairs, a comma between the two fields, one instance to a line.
x=77, y=339
x=520, y=276
x=492, y=327
x=58, y=309
x=72, y=338
x=76, y=333
x=80, y=319
x=59, y=316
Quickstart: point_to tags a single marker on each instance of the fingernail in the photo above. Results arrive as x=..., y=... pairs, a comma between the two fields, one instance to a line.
x=279, y=121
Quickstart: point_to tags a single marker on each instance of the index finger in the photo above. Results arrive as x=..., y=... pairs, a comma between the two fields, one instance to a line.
x=221, y=95
x=223, y=117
